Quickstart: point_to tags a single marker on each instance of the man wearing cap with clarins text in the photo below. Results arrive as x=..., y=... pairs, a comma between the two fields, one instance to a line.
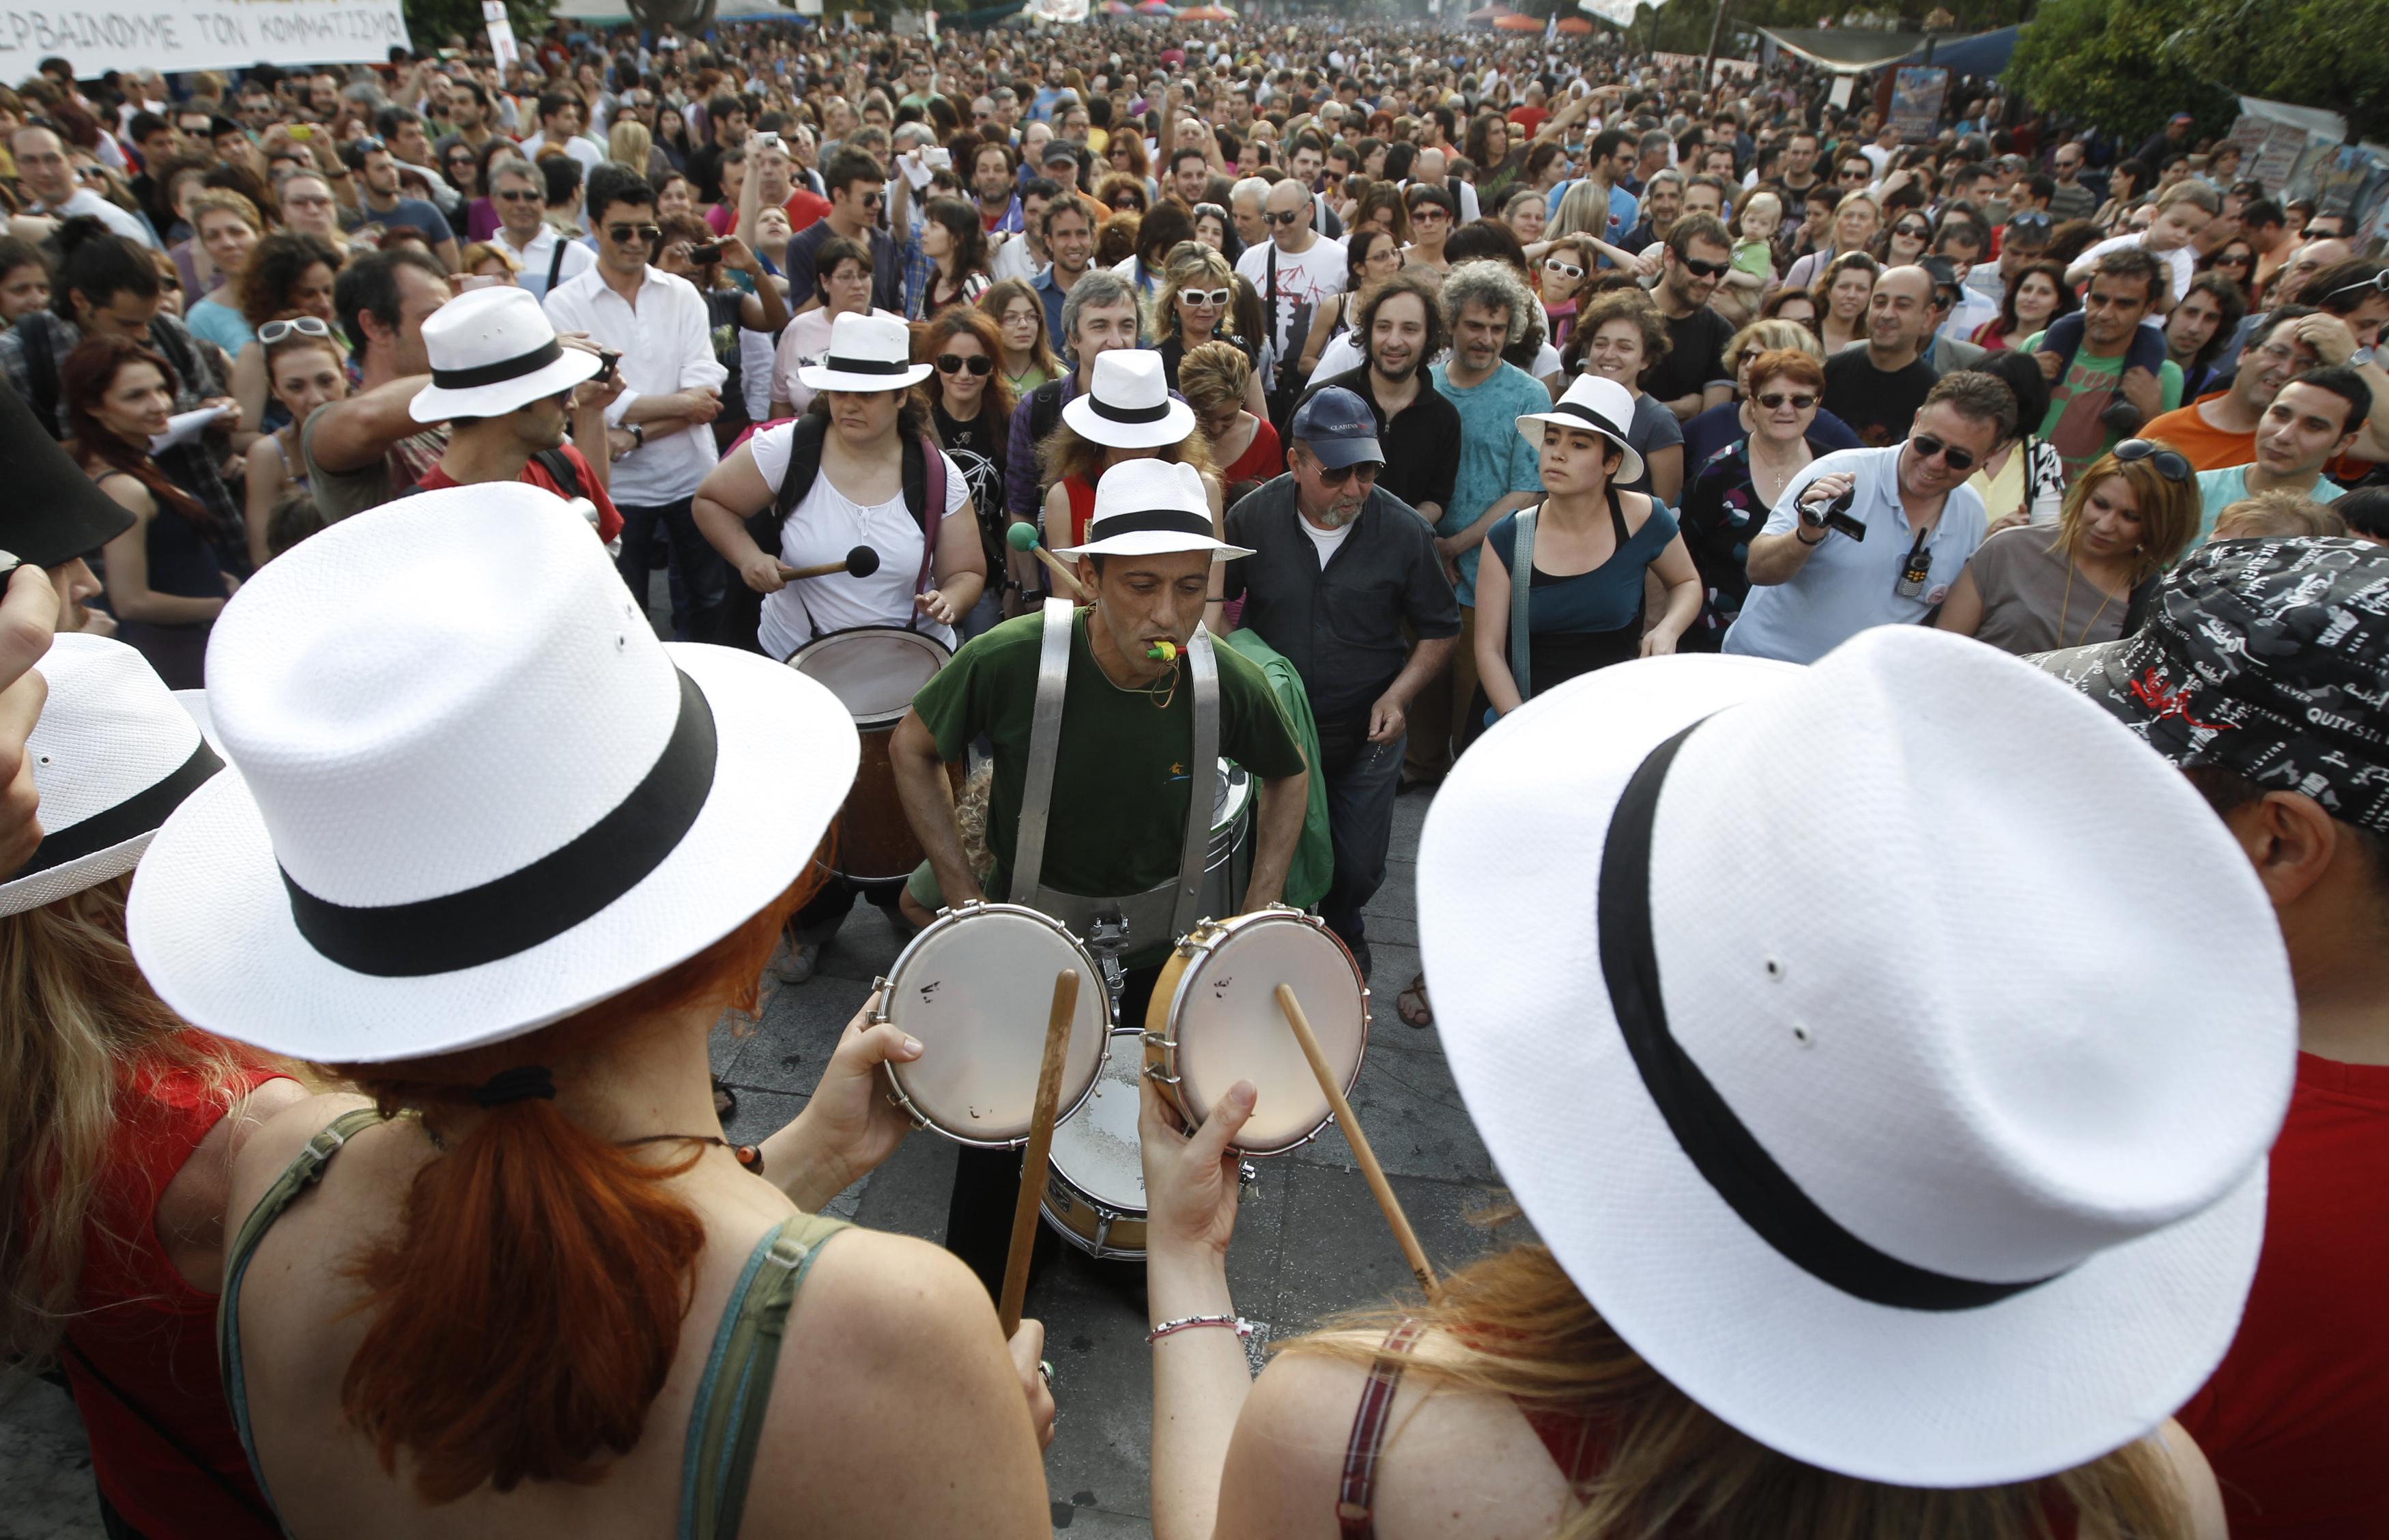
x=1821, y=572
x=2259, y=674
x=1339, y=565
x=1122, y=776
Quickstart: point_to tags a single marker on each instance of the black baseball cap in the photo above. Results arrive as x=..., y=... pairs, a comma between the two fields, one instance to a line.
x=53, y=513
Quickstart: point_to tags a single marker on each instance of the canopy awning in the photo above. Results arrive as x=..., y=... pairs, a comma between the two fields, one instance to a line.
x=1849, y=50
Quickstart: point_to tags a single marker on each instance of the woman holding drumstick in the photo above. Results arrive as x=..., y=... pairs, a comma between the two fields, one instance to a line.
x=1747, y=1372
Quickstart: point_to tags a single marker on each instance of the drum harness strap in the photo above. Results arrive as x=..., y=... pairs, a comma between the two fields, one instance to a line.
x=1109, y=940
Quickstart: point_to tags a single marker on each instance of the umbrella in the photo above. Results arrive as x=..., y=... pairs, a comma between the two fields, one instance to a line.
x=1207, y=13
x=1574, y=26
x=1490, y=12
x=1156, y=7
x=1511, y=21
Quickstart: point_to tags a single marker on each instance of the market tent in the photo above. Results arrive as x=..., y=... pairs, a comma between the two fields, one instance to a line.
x=1513, y=22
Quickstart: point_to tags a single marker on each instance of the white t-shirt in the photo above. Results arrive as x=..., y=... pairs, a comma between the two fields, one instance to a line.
x=2179, y=262
x=825, y=527
x=1327, y=540
x=1303, y=282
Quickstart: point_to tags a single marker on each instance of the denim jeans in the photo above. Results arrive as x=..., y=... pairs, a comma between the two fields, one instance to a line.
x=1362, y=779
x=698, y=577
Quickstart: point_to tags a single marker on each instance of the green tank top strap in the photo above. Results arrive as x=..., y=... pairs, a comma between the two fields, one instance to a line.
x=727, y=1420
x=297, y=1177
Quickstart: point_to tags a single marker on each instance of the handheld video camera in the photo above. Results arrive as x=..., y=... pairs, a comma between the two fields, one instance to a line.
x=1834, y=515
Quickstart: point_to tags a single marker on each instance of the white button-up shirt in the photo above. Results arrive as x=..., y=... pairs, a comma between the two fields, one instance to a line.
x=667, y=345
x=535, y=257
x=1848, y=585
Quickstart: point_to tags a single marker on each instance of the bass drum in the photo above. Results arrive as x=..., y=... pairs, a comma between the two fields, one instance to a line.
x=875, y=670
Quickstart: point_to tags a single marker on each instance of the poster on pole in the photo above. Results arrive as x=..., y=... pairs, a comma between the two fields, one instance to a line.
x=2279, y=158
x=502, y=32
x=197, y=34
x=1917, y=92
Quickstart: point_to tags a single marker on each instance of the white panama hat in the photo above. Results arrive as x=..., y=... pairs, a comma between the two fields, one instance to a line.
x=1127, y=406
x=867, y=352
x=493, y=351
x=1591, y=404
x=1147, y=507
x=113, y=754
x=1889, y=1050
x=473, y=794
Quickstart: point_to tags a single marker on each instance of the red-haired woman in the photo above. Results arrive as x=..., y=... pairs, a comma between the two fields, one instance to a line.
x=971, y=407
x=168, y=576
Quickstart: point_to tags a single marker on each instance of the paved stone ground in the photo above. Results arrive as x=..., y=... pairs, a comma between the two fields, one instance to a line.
x=1310, y=1240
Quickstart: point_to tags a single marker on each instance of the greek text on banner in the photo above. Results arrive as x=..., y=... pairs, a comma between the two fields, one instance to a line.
x=198, y=35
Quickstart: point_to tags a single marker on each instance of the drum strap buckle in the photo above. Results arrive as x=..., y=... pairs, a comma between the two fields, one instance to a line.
x=1107, y=938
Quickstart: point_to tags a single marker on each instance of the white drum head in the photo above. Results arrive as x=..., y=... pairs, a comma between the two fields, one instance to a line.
x=976, y=987
x=1229, y=1027
x=874, y=672
x=1097, y=1146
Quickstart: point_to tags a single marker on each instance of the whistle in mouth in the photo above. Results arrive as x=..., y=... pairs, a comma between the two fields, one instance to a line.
x=1163, y=653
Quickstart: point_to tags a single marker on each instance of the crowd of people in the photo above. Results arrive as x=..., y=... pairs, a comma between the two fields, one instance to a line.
x=375, y=875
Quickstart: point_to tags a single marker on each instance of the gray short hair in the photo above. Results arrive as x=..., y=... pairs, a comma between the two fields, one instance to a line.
x=1491, y=283
x=1096, y=285
x=1255, y=187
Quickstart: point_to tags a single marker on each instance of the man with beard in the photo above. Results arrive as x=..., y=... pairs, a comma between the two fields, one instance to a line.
x=1343, y=574
x=1401, y=326
x=1693, y=376
x=1876, y=387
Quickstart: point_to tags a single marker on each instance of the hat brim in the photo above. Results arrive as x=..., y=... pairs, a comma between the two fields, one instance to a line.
x=821, y=377
x=433, y=404
x=2040, y=1383
x=1335, y=454
x=73, y=877
x=1152, y=542
x=1172, y=426
x=1531, y=425
x=211, y=918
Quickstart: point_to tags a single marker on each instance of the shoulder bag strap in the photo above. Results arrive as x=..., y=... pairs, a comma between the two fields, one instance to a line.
x=554, y=265
x=727, y=1423
x=1195, y=853
x=1044, y=741
x=557, y=464
x=932, y=513
x=42, y=369
x=1269, y=319
x=1356, y=1492
x=297, y=1177
x=1522, y=586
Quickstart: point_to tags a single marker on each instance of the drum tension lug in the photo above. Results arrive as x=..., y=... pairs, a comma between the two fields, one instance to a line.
x=1152, y=1039
x=1154, y=1072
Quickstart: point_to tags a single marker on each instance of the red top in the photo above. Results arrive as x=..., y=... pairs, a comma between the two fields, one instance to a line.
x=610, y=522
x=1082, y=508
x=805, y=207
x=1263, y=459
x=149, y=1332
x=2295, y=1421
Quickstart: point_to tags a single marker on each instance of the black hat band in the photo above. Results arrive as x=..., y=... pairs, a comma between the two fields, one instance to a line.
x=140, y=814
x=1105, y=409
x=501, y=371
x=1173, y=520
x=865, y=365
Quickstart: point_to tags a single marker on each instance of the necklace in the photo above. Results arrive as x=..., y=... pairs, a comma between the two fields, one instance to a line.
x=748, y=1155
x=2066, y=603
x=1761, y=473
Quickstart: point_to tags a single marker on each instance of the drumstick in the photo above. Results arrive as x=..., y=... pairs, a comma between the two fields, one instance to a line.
x=1399, y=1221
x=1023, y=537
x=1040, y=1146
x=861, y=562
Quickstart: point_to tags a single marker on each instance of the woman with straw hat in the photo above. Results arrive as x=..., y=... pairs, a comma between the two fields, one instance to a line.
x=1842, y=1233
x=503, y=859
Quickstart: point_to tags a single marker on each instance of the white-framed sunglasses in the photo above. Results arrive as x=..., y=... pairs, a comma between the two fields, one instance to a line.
x=1565, y=269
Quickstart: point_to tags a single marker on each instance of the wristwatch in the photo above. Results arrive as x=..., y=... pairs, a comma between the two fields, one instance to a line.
x=2363, y=356
x=638, y=435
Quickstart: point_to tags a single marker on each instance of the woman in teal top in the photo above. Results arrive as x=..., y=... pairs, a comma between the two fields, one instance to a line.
x=1589, y=544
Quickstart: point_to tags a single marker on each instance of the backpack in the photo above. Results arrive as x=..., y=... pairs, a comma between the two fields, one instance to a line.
x=925, y=498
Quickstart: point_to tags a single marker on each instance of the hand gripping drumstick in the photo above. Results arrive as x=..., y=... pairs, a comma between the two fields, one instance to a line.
x=1040, y=1146
x=1399, y=1221
x=1023, y=537
x=861, y=562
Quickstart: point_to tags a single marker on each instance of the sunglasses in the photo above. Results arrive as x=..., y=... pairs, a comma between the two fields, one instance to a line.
x=1565, y=269
x=645, y=235
x=1127, y=201
x=2229, y=259
x=1801, y=400
x=954, y=363
x=1367, y=470
x=1927, y=446
x=300, y=325
x=515, y=195
x=1287, y=217
x=1429, y=215
x=1208, y=299
x=2171, y=466
x=2316, y=232
x=2378, y=283
x=1705, y=269
x=1914, y=232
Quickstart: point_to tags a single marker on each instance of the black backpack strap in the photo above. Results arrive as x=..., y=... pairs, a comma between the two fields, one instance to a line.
x=742, y=609
x=558, y=464
x=1044, y=411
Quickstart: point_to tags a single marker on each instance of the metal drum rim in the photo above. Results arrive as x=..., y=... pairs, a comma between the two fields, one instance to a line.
x=1053, y=1155
x=877, y=720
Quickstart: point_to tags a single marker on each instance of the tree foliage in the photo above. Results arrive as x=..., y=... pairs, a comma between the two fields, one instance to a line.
x=431, y=23
x=2316, y=53
x=2107, y=62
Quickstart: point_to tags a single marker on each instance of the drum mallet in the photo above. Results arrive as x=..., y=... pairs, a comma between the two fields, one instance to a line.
x=1399, y=1222
x=862, y=561
x=1023, y=538
x=1041, y=1148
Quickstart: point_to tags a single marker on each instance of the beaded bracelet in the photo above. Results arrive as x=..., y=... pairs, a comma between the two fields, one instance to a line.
x=1242, y=1328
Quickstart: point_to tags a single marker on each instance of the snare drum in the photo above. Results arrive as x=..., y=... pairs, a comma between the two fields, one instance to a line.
x=976, y=987
x=1094, y=1190
x=875, y=670
x=1215, y=1020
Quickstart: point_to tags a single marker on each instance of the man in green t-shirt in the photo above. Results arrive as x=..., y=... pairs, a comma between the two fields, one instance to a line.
x=2123, y=289
x=1122, y=769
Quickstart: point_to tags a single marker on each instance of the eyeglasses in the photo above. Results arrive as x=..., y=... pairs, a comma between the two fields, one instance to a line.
x=1208, y=299
x=515, y=195
x=1705, y=269
x=645, y=235
x=1801, y=400
x=1287, y=217
x=302, y=326
x=1565, y=269
x=954, y=363
x=2031, y=220
x=1927, y=446
x=1367, y=470
x=2170, y=464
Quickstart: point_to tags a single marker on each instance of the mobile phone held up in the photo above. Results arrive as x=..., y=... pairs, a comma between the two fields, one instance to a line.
x=709, y=252
x=607, y=359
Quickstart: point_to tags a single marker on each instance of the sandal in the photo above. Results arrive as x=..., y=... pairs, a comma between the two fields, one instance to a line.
x=1412, y=1005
